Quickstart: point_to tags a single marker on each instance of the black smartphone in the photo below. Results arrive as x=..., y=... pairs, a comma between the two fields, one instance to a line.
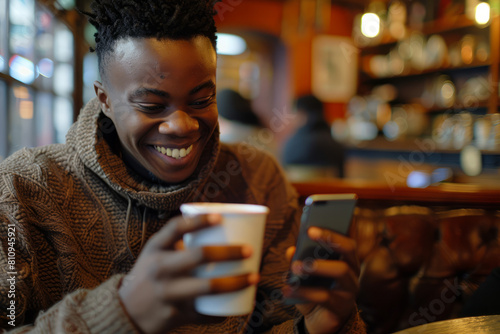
x=329, y=211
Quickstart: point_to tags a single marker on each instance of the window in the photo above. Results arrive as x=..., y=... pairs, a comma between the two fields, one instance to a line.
x=3, y=35
x=3, y=121
x=21, y=124
x=90, y=74
x=65, y=4
x=36, y=75
x=44, y=121
x=90, y=67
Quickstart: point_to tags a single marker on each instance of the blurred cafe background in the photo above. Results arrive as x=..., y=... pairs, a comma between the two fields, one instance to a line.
x=409, y=88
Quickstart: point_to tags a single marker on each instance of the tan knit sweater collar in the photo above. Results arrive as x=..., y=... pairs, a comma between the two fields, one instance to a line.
x=86, y=136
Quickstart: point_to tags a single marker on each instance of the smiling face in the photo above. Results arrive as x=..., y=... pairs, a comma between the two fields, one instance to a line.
x=160, y=96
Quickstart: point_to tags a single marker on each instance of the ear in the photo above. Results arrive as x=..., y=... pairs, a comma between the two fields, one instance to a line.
x=102, y=95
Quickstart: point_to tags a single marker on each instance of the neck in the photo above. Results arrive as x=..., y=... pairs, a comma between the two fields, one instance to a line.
x=134, y=165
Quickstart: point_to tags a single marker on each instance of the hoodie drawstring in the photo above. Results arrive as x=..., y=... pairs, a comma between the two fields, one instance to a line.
x=143, y=237
x=127, y=224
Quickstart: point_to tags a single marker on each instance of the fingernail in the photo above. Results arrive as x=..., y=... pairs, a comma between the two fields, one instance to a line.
x=253, y=278
x=214, y=218
x=246, y=250
x=314, y=233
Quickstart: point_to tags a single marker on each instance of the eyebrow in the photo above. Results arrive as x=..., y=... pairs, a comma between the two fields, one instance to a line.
x=144, y=91
x=207, y=84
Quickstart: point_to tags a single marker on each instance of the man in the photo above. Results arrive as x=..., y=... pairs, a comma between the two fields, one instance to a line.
x=311, y=151
x=90, y=229
x=239, y=123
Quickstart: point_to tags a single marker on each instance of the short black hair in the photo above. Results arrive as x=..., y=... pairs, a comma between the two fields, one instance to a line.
x=161, y=19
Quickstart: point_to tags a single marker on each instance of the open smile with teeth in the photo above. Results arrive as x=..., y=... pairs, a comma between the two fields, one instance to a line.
x=176, y=153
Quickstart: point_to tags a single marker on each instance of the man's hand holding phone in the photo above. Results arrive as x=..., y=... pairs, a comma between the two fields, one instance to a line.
x=328, y=303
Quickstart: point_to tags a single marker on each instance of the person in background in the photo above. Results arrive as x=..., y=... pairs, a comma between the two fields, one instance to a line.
x=311, y=151
x=237, y=120
x=90, y=230
x=239, y=123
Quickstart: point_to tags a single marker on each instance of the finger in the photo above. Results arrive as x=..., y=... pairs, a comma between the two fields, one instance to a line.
x=175, y=263
x=226, y=253
x=234, y=283
x=339, y=271
x=183, y=289
x=175, y=229
x=317, y=296
x=188, y=288
x=179, y=245
x=338, y=243
x=290, y=251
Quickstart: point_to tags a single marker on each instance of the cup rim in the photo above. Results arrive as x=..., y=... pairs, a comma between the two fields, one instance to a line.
x=233, y=207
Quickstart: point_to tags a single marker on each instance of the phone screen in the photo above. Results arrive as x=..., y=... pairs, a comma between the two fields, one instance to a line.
x=333, y=212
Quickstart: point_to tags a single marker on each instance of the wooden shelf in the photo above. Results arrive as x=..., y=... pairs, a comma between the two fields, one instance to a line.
x=413, y=86
x=450, y=24
x=440, y=26
x=415, y=73
x=457, y=108
x=425, y=145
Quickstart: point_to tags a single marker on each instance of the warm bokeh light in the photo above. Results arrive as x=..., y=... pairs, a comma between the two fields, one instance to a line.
x=26, y=109
x=467, y=49
x=21, y=92
x=370, y=25
x=448, y=90
x=482, y=13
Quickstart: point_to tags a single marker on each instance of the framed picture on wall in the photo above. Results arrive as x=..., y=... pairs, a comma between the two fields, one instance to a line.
x=334, y=68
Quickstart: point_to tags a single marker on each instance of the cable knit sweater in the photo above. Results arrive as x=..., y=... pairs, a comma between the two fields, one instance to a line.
x=71, y=226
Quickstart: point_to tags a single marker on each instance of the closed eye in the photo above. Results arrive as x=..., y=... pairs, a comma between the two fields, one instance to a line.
x=203, y=103
x=151, y=108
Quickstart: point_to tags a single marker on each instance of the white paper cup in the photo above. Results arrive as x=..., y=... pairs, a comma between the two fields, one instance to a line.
x=242, y=224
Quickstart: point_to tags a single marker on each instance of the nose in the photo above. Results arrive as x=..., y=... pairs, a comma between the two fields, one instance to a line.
x=178, y=123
